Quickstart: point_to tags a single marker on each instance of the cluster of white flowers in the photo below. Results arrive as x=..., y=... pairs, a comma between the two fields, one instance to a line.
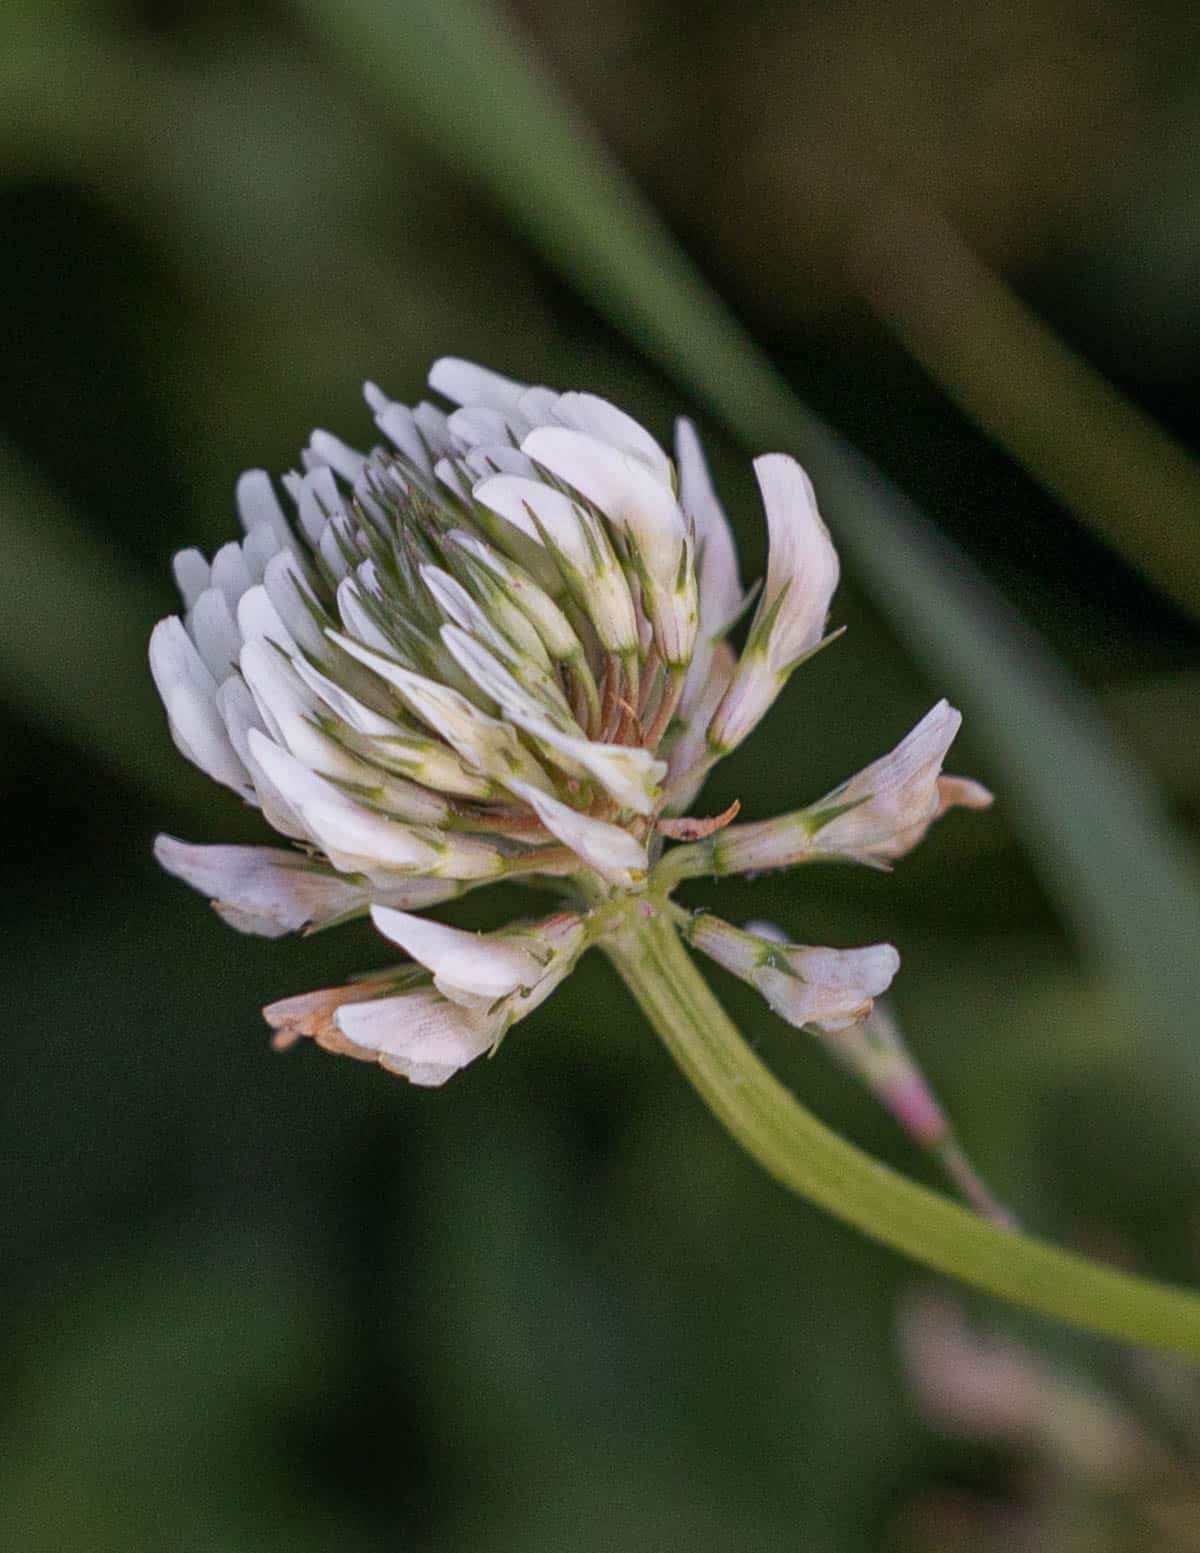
x=495, y=647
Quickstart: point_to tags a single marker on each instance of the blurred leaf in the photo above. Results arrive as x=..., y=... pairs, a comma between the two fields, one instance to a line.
x=73, y=635
x=1158, y=718
x=137, y=1419
x=1096, y=829
x=1115, y=467
x=51, y=115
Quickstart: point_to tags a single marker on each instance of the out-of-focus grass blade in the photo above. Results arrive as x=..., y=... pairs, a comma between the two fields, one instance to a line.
x=459, y=75
x=1115, y=467
x=49, y=121
x=1158, y=718
x=73, y=632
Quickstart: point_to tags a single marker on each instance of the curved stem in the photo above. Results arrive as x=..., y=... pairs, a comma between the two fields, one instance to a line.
x=802, y=1153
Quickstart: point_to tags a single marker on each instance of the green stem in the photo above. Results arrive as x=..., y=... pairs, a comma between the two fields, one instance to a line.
x=804, y=1155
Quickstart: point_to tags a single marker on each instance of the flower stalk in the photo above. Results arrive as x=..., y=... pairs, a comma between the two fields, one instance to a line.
x=792, y=1145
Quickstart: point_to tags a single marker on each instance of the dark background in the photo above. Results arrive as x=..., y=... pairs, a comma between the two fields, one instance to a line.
x=272, y=1303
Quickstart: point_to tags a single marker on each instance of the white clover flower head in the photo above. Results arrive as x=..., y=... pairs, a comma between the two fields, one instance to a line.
x=494, y=647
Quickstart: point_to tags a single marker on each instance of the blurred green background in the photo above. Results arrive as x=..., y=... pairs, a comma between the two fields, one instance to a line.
x=283, y=1303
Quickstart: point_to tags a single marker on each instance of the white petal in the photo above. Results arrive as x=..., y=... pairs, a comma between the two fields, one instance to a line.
x=263, y=678
x=317, y=499
x=192, y=575
x=335, y=539
x=284, y=701
x=215, y=632
x=456, y=604
x=551, y=626
x=415, y=893
x=771, y=931
x=419, y=1034
x=263, y=890
x=399, y=426
x=290, y=710
x=832, y=988
x=462, y=382
x=431, y=423
x=498, y=458
x=636, y=503
x=739, y=952
x=623, y=488
x=258, y=620
x=259, y=545
x=490, y=675
x=721, y=593
x=294, y=601
x=377, y=471
x=478, y=425
x=340, y=457
x=802, y=574
x=188, y=692
x=750, y=695
x=690, y=748
x=801, y=558
x=542, y=513
x=349, y=833
x=531, y=668
x=533, y=507
x=361, y=718
x=453, y=474
x=598, y=418
x=611, y=851
x=878, y=815
x=484, y=743
x=438, y=705
x=357, y=619
x=230, y=573
x=479, y=963
x=259, y=507
x=537, y=405
x=898, y=792
x=394, y=745
x=629, y=774
x=515, y=609
x=240, y=714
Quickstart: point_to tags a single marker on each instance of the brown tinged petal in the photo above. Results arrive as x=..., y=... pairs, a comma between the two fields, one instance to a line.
x=952, y=793
x=314, y=1014
x=694, y=829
